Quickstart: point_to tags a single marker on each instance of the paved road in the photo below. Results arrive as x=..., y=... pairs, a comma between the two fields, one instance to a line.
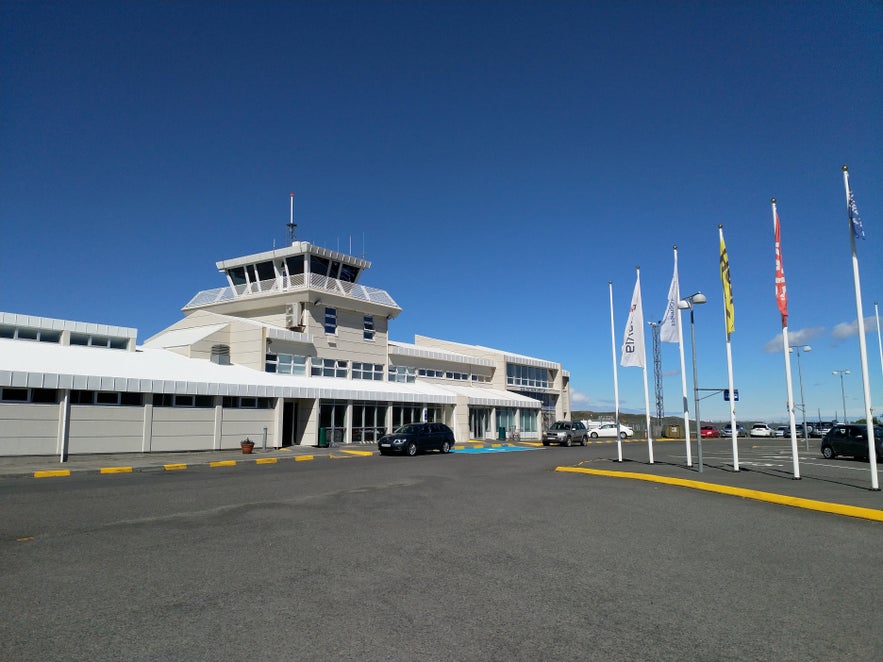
x=492, y=556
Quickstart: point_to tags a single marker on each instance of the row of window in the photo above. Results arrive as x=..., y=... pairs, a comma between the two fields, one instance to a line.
x=54, y=336
x=525, y=375
x=127, y=399
x=294, y=265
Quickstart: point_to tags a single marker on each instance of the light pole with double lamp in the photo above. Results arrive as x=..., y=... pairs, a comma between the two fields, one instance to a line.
x=684, y=304
x=797, y=350
x=842, y=391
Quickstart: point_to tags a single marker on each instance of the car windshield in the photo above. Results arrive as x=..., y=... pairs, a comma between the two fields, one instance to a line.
x=561, y=426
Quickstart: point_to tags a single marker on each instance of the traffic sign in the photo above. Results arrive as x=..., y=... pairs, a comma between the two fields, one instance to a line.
x=735, y=395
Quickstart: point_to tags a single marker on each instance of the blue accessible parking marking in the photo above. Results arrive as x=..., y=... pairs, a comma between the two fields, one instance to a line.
x=500, y=449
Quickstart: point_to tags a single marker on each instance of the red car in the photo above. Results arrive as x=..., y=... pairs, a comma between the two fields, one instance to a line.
x=710, y=431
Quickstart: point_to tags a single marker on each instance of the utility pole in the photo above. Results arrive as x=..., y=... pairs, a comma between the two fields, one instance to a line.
x=657, y=371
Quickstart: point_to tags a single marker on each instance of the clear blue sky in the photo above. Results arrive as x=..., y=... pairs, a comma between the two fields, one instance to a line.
x=498, y=162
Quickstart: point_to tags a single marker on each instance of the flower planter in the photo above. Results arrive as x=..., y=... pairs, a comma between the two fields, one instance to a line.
x=247, y=447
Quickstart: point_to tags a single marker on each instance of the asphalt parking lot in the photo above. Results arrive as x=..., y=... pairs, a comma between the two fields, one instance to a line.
x=766, y=470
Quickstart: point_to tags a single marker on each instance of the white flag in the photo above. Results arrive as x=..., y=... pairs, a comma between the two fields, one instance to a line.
x=633, y=343
x=668, y=328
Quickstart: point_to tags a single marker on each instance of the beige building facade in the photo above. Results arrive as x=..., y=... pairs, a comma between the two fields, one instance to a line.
x=294, y=350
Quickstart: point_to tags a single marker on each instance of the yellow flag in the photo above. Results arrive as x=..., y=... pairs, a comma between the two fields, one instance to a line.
x=728, y=288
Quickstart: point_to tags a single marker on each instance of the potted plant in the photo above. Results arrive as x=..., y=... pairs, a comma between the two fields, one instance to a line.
x=247, y=446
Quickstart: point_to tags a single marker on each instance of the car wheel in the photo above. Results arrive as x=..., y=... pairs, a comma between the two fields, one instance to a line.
x=582, y=442
x=446, y=447
x=594, y=435
x=411, y=448
x=623, y=435
x=568, y=442
x=545, y=443
x=828, y=453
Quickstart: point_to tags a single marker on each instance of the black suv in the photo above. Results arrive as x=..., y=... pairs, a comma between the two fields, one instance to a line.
x=851, y=439
x=414, y=437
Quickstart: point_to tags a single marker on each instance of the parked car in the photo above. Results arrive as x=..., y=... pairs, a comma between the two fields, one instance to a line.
x=851, y=439
x=740, y=430
x=414, y=437
x=761, y=430
x=609, y=430
x=566, y=433
x=821, y=428
x=709, y=431
x=783, y=431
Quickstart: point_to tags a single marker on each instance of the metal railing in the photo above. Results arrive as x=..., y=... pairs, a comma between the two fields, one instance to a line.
x=291, y=284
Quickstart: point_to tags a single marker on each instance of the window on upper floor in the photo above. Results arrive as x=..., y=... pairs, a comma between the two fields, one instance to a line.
x=329, y=368
x=368, y=327
x=402, y=374
x=372, y=371
x=331, y=320
x=286, y=364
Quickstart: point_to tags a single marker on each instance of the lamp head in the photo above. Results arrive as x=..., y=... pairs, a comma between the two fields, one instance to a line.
x=699, y=298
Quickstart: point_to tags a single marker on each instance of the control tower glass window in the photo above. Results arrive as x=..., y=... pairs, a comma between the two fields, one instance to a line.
x=319, y=265
x=295, y=264
x=348, y=273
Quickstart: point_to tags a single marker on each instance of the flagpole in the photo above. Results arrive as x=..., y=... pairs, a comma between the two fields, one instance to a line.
x=683, y=369
x=646, y=388
x=725, y=280
x=781, y=299
x=615, y=373
x=879, y=341
x=869, y=419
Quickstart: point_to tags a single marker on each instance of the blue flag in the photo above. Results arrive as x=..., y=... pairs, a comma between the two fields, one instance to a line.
x=857, y=228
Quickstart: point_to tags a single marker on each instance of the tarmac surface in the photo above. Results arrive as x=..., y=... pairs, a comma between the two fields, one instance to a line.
x=821, y=487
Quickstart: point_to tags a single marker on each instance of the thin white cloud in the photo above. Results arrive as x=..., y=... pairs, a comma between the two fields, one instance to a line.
x=846, y=330
x=795, y=337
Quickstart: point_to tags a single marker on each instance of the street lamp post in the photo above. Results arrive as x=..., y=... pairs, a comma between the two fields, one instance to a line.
x=842, y=390
x=684, y=304
x=805, y=348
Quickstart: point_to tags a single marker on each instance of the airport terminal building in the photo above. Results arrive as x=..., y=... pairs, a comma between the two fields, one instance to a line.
x=293, y=350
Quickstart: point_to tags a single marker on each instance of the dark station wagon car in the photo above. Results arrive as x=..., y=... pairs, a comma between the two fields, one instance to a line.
x=851, y=439
x=414, y=437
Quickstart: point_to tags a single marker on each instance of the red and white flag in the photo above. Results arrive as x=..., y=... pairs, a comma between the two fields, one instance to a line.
x=781, y=291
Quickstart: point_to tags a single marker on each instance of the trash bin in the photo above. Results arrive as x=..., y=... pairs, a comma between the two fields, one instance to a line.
x=323, y=437
x=501, y=433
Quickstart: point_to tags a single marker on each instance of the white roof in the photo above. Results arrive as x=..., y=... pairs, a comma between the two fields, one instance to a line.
x=183, y=337
x=489, y=397
x=32, y=364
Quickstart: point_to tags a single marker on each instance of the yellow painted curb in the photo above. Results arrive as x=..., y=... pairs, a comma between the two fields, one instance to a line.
x=223, y=463
x=52, y=474
x=360, y=453
x=770, y=497
x=115, y=470
x=265, y=460
x=174, y=467
x=304, y=458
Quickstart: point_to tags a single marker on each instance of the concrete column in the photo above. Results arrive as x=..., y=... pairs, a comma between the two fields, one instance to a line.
x=147, y=432
x=64, y=422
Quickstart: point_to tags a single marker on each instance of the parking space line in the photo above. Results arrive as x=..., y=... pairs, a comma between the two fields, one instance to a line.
x=797, y=502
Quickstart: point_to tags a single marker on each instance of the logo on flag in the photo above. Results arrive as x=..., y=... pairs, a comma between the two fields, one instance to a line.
x=781, y=291
x=857, y=229
x=729, y=311
x=668, y=328
x=633, y=343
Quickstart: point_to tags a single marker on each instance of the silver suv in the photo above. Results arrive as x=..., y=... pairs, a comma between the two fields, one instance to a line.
x=566, y=433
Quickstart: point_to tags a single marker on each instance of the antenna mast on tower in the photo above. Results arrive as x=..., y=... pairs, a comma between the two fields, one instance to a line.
x=291, y=224
x=657, y=369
